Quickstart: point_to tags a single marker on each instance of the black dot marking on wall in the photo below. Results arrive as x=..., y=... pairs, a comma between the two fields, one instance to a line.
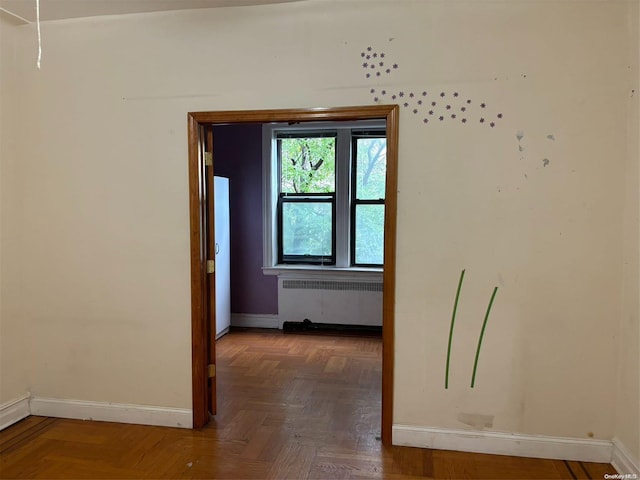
x=374, y=67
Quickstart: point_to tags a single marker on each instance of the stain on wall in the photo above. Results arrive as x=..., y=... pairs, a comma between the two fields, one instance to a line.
x=476, y=420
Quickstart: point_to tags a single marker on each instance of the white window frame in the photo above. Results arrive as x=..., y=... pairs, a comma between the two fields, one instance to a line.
x=270, y=188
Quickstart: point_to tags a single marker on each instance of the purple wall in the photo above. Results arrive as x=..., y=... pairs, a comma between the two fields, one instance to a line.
x=237, y=153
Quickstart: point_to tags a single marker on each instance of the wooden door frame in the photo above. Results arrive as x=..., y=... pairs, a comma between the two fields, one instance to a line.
x=195, y=123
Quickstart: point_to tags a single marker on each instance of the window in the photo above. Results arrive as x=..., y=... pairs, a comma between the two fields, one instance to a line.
x=307, y=198
x=324, y=192
x=367, y=204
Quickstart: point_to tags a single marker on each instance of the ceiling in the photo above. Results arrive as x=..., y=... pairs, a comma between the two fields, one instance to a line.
x=24, y=11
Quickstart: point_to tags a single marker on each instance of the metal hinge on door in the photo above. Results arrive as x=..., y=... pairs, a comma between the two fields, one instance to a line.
x=208, y=159
x=211, y=369
x=211, y=266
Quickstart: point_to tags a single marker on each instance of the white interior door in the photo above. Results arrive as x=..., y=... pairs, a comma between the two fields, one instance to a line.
x=223, y=256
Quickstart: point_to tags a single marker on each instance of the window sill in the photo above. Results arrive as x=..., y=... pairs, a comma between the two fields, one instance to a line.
x=338, y=273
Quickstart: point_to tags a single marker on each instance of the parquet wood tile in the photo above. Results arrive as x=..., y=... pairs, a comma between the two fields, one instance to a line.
x=578, y=470
x=598, y=470
x=289, y=407
x=23, y=432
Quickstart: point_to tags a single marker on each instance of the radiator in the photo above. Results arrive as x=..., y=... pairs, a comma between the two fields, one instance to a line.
x=330, y=301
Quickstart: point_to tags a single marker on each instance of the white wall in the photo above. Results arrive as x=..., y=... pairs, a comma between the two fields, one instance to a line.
x=104, y=252
x=14, y=346
x=628, y=399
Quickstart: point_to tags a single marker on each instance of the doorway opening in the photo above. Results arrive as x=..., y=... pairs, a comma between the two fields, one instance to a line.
x=201, y=203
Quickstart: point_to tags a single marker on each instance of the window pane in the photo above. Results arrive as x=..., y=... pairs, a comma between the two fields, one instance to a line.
x=306, y=228
x=307, y=164
x=369, y=239
x=371, y=168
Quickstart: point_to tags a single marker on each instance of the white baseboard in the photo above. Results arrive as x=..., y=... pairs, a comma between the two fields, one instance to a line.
x=622, y=459
x=251, y=320
x=112, y=412
x=497, y=443
x=14, y=411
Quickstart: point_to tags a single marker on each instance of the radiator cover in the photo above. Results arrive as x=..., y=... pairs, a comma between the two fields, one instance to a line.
x=330, y=301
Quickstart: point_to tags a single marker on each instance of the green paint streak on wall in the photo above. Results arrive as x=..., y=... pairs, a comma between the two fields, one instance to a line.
x=453, y=319
x=484, y=325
